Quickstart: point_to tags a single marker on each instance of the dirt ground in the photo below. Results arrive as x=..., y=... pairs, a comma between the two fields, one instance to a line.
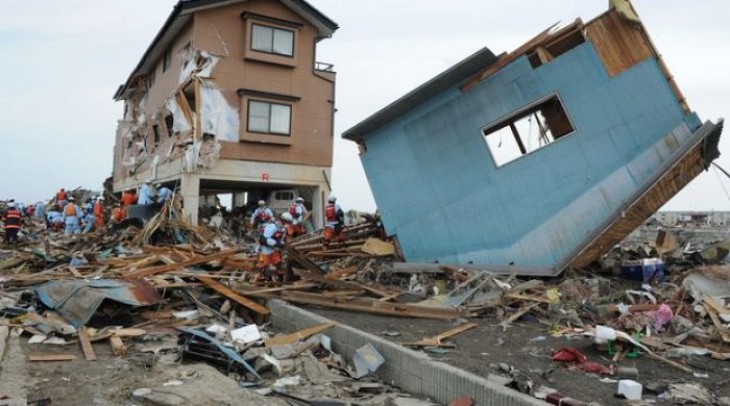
x=112, y=380
x=527, y=347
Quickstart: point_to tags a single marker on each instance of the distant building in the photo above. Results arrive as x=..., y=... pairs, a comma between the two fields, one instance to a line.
x=693, y=218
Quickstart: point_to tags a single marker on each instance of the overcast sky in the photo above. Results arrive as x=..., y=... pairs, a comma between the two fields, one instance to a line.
x=63, y=60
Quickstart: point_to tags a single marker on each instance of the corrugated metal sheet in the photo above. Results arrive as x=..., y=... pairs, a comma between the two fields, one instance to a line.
x=77, y=300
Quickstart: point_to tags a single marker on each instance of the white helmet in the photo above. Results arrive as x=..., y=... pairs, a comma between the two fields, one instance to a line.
x=100, y=198
x=148, y=181
x=332, y=199
x=299, y=199
x=12, y=205
x=262, y=203
x=286, y=217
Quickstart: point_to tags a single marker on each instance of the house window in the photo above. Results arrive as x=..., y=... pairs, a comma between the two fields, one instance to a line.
x=167, y=60
x=272, y=40
x=156, y=131
x=269, y=118
x=527, y=130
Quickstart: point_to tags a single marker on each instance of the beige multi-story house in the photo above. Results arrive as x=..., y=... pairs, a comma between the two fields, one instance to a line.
x=229, y=99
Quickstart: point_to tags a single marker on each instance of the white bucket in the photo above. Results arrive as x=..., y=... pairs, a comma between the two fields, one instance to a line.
x=630, y=389
x=604, y=334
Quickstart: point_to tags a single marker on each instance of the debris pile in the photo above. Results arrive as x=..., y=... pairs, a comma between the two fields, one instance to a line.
x=192, y=288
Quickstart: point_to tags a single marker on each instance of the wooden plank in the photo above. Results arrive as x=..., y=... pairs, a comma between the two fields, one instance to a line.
x=374, y=306
x=286, y=287
x=86, y=346
x=118, y=347
x=40, y=357
x=298, y=335
x=141, y=273
x=721, y=328
x=437, y=340
x=229, y=293
x=378, y=247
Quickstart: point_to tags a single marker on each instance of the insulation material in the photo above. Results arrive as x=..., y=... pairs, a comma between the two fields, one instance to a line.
x=188, y=57
x=218, y=117
x=206, y=70
x=179, y=123
x=141, y=118
x=191, y=157
x=210, y=153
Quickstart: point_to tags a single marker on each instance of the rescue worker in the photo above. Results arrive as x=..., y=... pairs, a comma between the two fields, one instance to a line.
x=54, y=218
x=298, y=213
x=11, y=219
x=261, y=216
x=163, y=193
x=99, y=213
x=334, y=220
x=61, y=198
x=88, y=220
x=146, y=193
x=40, y=207
x=272, y=242
x=119, y=213
x=128, y=198
x=72, y=216
x=89, y=206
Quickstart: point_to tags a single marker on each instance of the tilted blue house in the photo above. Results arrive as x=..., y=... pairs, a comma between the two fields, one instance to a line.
x=537, y=160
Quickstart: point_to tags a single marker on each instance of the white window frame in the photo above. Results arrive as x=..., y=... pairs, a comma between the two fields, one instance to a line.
x=269, y=129
x=271, y=48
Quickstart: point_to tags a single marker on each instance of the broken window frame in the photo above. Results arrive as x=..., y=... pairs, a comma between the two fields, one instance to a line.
x=552, y=127
x=268, y=118
x=272, y=47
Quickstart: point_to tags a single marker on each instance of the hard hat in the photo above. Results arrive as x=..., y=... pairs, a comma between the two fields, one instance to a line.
x=286, y=217
x=300, y=199
x=262, y=203
x=100, y=198
x=70, y=198
x=11, y=204
x=332, y=198
x=148, y=181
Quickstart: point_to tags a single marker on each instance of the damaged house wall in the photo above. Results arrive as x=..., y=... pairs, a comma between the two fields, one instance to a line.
x=188, y=101
x=617, y=126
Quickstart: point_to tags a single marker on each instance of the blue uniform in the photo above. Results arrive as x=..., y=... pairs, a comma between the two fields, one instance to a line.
x=72, y=217
x=163, y=194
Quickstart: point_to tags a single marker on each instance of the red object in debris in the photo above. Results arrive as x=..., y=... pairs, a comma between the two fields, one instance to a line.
x=462, y=401
x=556, y=398
x=595, y=368
x=569, y=354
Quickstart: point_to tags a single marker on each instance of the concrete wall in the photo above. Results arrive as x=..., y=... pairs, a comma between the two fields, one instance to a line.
x=440, y=191
x=409, y=370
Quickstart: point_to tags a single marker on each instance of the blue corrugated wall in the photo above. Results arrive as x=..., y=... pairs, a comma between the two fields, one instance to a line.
x=441, y=193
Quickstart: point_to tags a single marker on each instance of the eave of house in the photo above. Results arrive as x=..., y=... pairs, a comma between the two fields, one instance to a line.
x=457, y=73
x=181, y=15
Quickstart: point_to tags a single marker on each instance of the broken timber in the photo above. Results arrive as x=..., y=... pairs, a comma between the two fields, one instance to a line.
x=141, y=273
x=367, y=305
x=229, y=293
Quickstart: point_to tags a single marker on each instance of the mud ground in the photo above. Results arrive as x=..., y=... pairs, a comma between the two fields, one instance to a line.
x=112, y=380
x=528, y=347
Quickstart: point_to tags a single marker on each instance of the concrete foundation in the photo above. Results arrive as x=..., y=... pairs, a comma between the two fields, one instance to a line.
x=409, y=370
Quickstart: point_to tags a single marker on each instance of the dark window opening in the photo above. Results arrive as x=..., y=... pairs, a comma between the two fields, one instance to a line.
x=558, y=46
x=269, y=118
x=189, y=93
x=156, y=130
x=167, y=60
x=527, y=130
x=151, y=79
x=272, y=40
x=169, y=121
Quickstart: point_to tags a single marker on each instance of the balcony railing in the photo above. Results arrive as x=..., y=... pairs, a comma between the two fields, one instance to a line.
x=323, y=66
